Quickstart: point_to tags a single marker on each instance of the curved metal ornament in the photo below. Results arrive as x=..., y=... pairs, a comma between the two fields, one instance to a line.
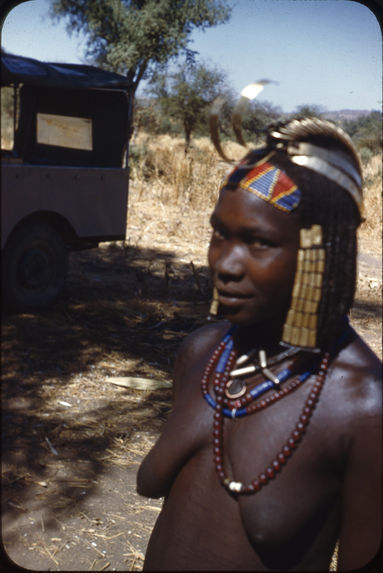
x=214, y=127
x=247, y=94
x=235, y=389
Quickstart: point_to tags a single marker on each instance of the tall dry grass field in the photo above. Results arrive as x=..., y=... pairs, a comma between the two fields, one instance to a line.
x=370, y=233
x=172, y=194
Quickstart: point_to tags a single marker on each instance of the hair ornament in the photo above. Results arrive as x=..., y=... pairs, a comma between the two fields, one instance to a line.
x=339, y=166
x=300, y=328
x=247, y=94
x=295, y=137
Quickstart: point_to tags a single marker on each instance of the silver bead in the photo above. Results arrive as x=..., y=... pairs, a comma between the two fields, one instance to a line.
x=262, y=359
x=235, y=486
x=243, y=371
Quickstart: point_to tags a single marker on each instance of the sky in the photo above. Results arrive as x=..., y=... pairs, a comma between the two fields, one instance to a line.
x=321, y=52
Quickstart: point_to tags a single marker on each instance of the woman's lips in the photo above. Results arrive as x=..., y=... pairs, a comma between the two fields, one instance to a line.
x=231, y=298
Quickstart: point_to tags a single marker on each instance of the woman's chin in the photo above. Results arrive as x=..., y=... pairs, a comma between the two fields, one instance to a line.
x=236, y=315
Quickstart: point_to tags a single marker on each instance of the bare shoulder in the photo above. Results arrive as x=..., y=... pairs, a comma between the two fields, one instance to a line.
x=196, y=347
x=202, y=339
x=356, y=380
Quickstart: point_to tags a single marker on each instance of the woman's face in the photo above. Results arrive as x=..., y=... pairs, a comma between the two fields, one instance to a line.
x=252, y=256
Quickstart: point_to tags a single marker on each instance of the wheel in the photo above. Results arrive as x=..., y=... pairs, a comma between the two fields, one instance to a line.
x=34, y=267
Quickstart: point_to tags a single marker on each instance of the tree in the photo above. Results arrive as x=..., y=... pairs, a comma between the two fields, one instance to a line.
x=258, y=116
x=187, y=94
x=134, y=37
x=366, y=131
x=307, y=110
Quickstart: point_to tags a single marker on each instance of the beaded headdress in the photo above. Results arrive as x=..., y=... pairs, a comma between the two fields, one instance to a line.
x=267, y=182
x=338, y=163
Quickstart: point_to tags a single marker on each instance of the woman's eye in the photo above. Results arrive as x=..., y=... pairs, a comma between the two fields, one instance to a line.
x=217, y=234
x=259, y=243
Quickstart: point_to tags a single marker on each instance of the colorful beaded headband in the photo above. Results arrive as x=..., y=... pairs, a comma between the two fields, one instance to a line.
x=267, y=182
x=291, y=137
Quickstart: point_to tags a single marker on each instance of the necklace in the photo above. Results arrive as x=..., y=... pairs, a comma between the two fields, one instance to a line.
x=224, y=358
x=243, y=406
x=237, y=387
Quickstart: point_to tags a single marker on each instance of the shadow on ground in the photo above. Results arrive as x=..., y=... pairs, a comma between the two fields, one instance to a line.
x=123, y=314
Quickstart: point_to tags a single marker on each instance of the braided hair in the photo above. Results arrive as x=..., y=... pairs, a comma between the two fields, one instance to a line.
x=326, y=203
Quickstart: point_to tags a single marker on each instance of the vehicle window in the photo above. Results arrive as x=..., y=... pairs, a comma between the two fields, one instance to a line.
x=7, y=104
x=64, y=131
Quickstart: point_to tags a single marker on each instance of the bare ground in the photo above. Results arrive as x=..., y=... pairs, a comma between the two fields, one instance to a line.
x=72, y=440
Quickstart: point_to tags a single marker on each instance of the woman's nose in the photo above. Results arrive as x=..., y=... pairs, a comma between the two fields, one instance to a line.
x=229, y=265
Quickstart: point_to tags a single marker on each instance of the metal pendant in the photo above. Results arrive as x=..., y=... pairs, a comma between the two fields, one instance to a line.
x=235, y=389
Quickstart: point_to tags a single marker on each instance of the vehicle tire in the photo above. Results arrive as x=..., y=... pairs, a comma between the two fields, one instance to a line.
x=34, y=267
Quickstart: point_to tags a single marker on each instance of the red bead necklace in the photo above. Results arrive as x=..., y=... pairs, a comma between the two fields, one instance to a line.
x=219, y=383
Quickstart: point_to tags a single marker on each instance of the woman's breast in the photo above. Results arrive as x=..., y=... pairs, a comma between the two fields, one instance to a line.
x=291, y=522
x=200, y=526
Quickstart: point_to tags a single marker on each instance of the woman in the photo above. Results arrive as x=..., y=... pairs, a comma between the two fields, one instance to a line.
x=270, y=458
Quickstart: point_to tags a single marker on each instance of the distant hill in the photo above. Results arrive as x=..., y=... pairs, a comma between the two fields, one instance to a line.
x=345, y=114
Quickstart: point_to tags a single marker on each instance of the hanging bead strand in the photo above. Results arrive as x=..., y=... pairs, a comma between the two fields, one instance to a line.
x=288, y=448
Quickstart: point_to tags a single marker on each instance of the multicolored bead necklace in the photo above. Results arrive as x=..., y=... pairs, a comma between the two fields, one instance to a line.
x=223, y=359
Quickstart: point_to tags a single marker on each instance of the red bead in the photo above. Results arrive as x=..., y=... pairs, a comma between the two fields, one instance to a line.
x=270, y=472
x=286, y=450
x=300, y=427
x=276, y=466
x=296, y=435
x=292, y=443
x=281, y=458
x=262, y=404
x=304, y=419
x=263, y=479
x=256, y=485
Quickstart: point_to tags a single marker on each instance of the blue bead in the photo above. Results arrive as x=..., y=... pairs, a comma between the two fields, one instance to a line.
x=284, y=375
x=210, y=400
x=261, y=389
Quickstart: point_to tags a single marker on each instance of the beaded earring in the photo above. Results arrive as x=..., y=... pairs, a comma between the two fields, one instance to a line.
x=213, y=311
x=300, y=328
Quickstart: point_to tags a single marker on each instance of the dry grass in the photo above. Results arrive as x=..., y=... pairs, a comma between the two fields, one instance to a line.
x=370, y=234
x=185, y=188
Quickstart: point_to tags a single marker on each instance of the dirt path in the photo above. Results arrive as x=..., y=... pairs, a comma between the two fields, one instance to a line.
x=72, y=439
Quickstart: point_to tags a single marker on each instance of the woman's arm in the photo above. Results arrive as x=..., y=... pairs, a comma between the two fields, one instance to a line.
x=184, y=430
x=361, y=527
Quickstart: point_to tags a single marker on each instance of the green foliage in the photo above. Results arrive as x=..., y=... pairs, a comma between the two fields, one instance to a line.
x=186, y=95
x=366, y=132
x=307, y=110
x=134, y=37
x=365, y=155
x=258, y=116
